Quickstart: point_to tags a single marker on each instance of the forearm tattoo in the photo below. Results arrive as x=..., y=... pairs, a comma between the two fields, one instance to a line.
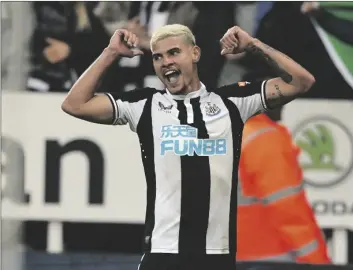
x=253, y=49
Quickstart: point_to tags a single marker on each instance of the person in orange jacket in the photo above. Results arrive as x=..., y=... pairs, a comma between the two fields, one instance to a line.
x=274, y=221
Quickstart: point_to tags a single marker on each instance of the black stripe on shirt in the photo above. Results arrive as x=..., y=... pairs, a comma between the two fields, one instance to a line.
x=237, y=131
x=234, y=90
x=195, y=189
x=145, y=134
x=136, y=95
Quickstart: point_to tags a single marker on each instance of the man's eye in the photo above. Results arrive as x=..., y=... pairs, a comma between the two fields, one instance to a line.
x=174, y=52
x=156, y=57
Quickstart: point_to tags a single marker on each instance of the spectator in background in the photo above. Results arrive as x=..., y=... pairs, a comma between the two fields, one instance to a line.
x=285, y=27
x=212, y=20
x=244, y=16
x=141, y=18
x=271, y=193
x=339, y=27
x=113, y=14
x=262, y=8
x=67, y=38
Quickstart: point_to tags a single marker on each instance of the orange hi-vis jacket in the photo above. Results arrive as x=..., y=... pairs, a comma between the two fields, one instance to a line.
x=275, y=221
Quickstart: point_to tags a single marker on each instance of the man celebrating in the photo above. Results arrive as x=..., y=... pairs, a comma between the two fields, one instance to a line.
x=190, y=139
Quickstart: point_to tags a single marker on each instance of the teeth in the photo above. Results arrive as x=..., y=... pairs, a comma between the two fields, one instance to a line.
x=169, y=72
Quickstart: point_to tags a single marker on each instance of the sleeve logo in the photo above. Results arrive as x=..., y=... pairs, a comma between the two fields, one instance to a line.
x=241, y=84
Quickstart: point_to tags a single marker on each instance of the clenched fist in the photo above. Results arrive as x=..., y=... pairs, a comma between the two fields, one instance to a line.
x=235, y=40
x=124, y=43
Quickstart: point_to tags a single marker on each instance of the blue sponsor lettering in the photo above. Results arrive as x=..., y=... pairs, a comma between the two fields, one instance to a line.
x=178, y=131
x=182, y=140
x=200, y=147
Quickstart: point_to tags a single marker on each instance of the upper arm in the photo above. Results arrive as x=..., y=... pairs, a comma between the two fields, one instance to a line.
x=97, y=110
x=247, y=96
x=114, y=108
x=278, y=93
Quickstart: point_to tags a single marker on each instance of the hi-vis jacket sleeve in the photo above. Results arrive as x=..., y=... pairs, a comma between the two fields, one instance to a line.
x=279, y=186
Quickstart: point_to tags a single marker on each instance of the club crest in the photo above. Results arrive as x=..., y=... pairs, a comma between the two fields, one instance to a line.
x=212, y=109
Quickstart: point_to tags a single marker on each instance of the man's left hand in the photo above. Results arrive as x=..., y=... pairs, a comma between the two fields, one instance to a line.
x=235, y=40
x=57, y=50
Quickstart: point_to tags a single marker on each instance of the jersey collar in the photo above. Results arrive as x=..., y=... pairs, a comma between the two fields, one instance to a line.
x=199, y=93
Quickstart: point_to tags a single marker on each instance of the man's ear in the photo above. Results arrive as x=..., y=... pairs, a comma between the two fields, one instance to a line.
x=196, y=54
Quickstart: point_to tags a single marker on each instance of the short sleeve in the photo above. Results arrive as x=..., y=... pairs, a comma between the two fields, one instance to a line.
x=249, y=97
x=128, y=106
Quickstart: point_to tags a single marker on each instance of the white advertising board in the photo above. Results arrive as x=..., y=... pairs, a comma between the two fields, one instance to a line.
x=36, y=127
x=324, y=132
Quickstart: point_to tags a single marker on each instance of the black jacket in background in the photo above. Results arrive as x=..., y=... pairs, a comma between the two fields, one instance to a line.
x=58, y=20
x=285, y=28
x=210, y=25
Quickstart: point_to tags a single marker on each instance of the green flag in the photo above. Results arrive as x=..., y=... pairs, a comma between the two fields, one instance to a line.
x=340, y=52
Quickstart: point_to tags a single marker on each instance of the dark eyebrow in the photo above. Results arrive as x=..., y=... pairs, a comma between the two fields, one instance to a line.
x=175, y=49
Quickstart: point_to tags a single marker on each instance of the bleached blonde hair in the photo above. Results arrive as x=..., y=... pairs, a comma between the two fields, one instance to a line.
x=173, y=30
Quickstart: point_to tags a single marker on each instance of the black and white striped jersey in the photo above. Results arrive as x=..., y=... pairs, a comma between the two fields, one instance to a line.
x=190, y=147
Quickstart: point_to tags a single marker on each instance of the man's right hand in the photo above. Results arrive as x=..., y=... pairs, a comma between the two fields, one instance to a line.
x=124, y=44
x=309, y=7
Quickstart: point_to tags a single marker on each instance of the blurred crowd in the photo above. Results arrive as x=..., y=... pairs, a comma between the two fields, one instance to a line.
x=46, y=46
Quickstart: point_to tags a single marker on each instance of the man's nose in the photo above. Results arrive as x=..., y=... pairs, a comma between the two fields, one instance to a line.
x=167, y=61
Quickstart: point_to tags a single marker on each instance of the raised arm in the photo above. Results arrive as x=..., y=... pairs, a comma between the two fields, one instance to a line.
x=292, y=79
x=81, y=101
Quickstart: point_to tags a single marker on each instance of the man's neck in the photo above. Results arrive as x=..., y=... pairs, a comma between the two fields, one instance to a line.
x=194, y=93
x=192, y=88
x=194, y=85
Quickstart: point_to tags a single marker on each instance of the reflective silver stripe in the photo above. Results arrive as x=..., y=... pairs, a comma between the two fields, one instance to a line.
x=285, y=257
x=306, y=249
x=248, y=200
x=242, y=198
x=282, y=194
x=289, y=256
x=245, y=200
x=254, y=134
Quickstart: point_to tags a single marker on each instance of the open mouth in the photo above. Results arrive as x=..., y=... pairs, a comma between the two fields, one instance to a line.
x=172, y=75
